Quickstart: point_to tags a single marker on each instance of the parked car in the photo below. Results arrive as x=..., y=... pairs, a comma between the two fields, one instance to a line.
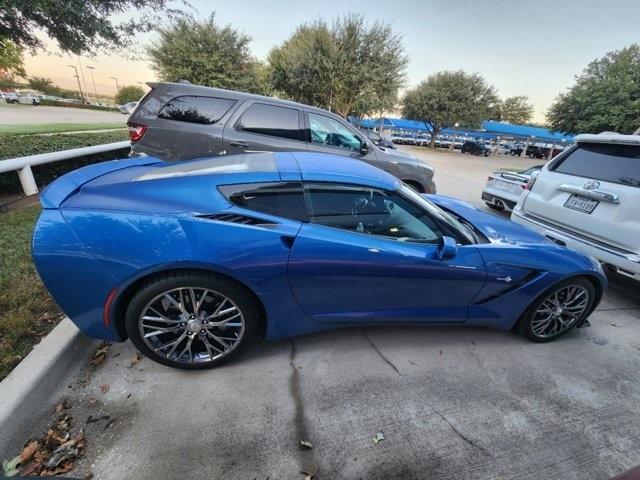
x=10, y=97
x=504, y=187
x=475, y=148
x=128, y=108
x=194, y=261
x=516, y=149
x=379, y=140
x=177, y=121
x=534, y=151
x=588, y=198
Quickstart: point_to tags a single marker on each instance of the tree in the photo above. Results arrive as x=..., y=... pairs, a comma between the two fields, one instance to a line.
x=206, y=53
x=349, y=67
x=515, y=109
x=42, y=84
x=78, y=26
x=11, y=61
x=130, y=93
x=446, y=98
x=605, y=97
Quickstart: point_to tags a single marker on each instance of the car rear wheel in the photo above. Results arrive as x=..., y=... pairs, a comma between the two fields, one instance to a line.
x=192, y=320
x=558, y=310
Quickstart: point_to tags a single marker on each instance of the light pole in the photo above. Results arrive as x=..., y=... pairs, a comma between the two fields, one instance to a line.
x=78, y=79
x=84, y=83
x=95, y=92
x=117, y=86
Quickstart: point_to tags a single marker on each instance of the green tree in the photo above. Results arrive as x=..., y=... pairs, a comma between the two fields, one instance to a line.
x=206, y=53
x=79, y=26
x=349, y=67
x=446, y=98
x=515, y=109
x=11, y=60
x=130, y=93
x=605, y=97
x=42, y=84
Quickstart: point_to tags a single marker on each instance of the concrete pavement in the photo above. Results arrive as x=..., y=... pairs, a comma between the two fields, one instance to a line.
x=458, y=403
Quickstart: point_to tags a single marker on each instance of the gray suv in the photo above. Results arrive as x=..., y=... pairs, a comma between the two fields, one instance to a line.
x=179, y=121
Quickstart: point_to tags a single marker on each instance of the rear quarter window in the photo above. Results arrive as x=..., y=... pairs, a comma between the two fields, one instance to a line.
x=195, y=109
x=607, y=162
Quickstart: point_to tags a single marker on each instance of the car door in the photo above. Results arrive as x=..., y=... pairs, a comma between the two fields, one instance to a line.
x=369, y=256
x=592, y=189
x=262, y=126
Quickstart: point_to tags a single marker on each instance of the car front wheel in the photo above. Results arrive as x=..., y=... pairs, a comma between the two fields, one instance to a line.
x=192, y=320
x=558, y=310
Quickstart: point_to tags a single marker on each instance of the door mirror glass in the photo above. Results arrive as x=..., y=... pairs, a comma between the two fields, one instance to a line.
x=447, y=248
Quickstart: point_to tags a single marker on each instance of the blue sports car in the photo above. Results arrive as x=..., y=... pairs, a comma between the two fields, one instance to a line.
x=195, y=261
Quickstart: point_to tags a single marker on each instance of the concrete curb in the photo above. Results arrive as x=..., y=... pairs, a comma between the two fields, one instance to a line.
x=25, y=395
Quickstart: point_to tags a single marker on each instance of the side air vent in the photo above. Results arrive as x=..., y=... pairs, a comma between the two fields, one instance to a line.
x=236, y=218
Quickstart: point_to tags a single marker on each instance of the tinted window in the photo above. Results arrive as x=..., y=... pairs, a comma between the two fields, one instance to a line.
x=610, y=163
x=331, y=133
x=370, y=211
x=271, y=120
x=280, y=199
x=194, y=109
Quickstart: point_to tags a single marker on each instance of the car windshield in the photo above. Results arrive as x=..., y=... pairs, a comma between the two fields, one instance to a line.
x=440, y=214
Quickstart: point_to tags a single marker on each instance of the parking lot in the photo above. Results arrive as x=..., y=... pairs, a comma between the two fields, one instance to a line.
x=450, y=402
x=27, y=114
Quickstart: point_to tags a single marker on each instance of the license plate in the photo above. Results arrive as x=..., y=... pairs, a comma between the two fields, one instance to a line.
x=506, y=186
x=580, y=203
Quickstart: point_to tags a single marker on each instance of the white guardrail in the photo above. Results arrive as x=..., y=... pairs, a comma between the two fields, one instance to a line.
x=23, y=164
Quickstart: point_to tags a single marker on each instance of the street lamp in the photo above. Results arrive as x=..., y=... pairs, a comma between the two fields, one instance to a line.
x=95, y=92
x=78, y=79
x=117, y=86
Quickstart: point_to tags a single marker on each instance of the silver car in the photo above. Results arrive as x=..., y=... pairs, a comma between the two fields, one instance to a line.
x=179, y=121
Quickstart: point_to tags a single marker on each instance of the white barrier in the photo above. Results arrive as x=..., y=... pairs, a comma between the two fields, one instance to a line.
x=23, y=164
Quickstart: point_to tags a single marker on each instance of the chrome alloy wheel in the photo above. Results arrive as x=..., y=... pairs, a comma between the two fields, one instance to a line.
x=191, y=325
x=560, y=311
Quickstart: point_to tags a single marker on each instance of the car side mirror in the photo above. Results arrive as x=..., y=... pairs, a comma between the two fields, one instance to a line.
x=447, y=248
x=364, y=147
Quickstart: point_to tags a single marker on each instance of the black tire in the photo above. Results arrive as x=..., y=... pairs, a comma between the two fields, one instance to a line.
x=494, y=206
x=525, y=323
x=235, y=292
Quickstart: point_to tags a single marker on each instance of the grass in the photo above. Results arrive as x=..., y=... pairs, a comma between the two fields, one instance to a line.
x=27, y=312
x=32, y=129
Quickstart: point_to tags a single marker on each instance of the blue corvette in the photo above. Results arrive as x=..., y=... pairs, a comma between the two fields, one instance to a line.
x=194, y=261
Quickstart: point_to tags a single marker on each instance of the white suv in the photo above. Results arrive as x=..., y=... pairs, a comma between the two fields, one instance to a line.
x=588, y=198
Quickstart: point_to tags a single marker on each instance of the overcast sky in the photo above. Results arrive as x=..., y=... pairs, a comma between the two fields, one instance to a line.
x=522, y=47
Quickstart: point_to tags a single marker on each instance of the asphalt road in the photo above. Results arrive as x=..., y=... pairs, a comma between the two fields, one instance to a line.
x=452, y=403
x=28, y=114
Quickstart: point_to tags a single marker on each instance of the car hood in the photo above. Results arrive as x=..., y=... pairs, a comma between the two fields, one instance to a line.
x=496, y=229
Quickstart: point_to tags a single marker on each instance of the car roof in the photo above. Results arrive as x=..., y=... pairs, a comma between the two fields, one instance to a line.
x=180, y=88
x=608, y=137
x=291, y=166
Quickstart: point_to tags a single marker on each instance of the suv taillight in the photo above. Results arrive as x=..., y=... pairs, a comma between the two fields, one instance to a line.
x=531, y=181
x=136, y=131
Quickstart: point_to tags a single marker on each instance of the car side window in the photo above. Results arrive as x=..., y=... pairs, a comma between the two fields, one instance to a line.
x=271, y=120
x=370, y=211
x=196, y=109
x=282, y=199
x=331, y=133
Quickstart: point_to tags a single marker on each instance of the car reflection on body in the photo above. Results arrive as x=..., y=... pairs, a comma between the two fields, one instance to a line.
x=194, y=261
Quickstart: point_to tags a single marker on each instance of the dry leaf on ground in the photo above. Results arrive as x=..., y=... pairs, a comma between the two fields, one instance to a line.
x=104, y=388
x=136, y=360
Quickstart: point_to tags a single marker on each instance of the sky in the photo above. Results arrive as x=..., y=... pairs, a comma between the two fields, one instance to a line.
x=522, y=47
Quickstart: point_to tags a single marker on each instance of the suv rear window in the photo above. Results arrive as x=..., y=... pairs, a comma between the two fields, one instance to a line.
x=271, y=120
x=279, y=199
x=606, y=162
x=194, y=109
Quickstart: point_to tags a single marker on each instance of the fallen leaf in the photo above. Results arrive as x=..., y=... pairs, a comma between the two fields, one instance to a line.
x=305, y=445
x=98, y=359
x=100, y=354
x=136, y=360
x=64, y=405
x=104, y=388
x=92, y=400
x=10, y=467
x=53, y=439
x=32, y=469
x=28, y=451
x=62, y=454
x=378, y=438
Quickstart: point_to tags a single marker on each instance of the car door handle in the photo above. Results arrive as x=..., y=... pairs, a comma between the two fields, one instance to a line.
x=238, y=144
x=287, y=241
